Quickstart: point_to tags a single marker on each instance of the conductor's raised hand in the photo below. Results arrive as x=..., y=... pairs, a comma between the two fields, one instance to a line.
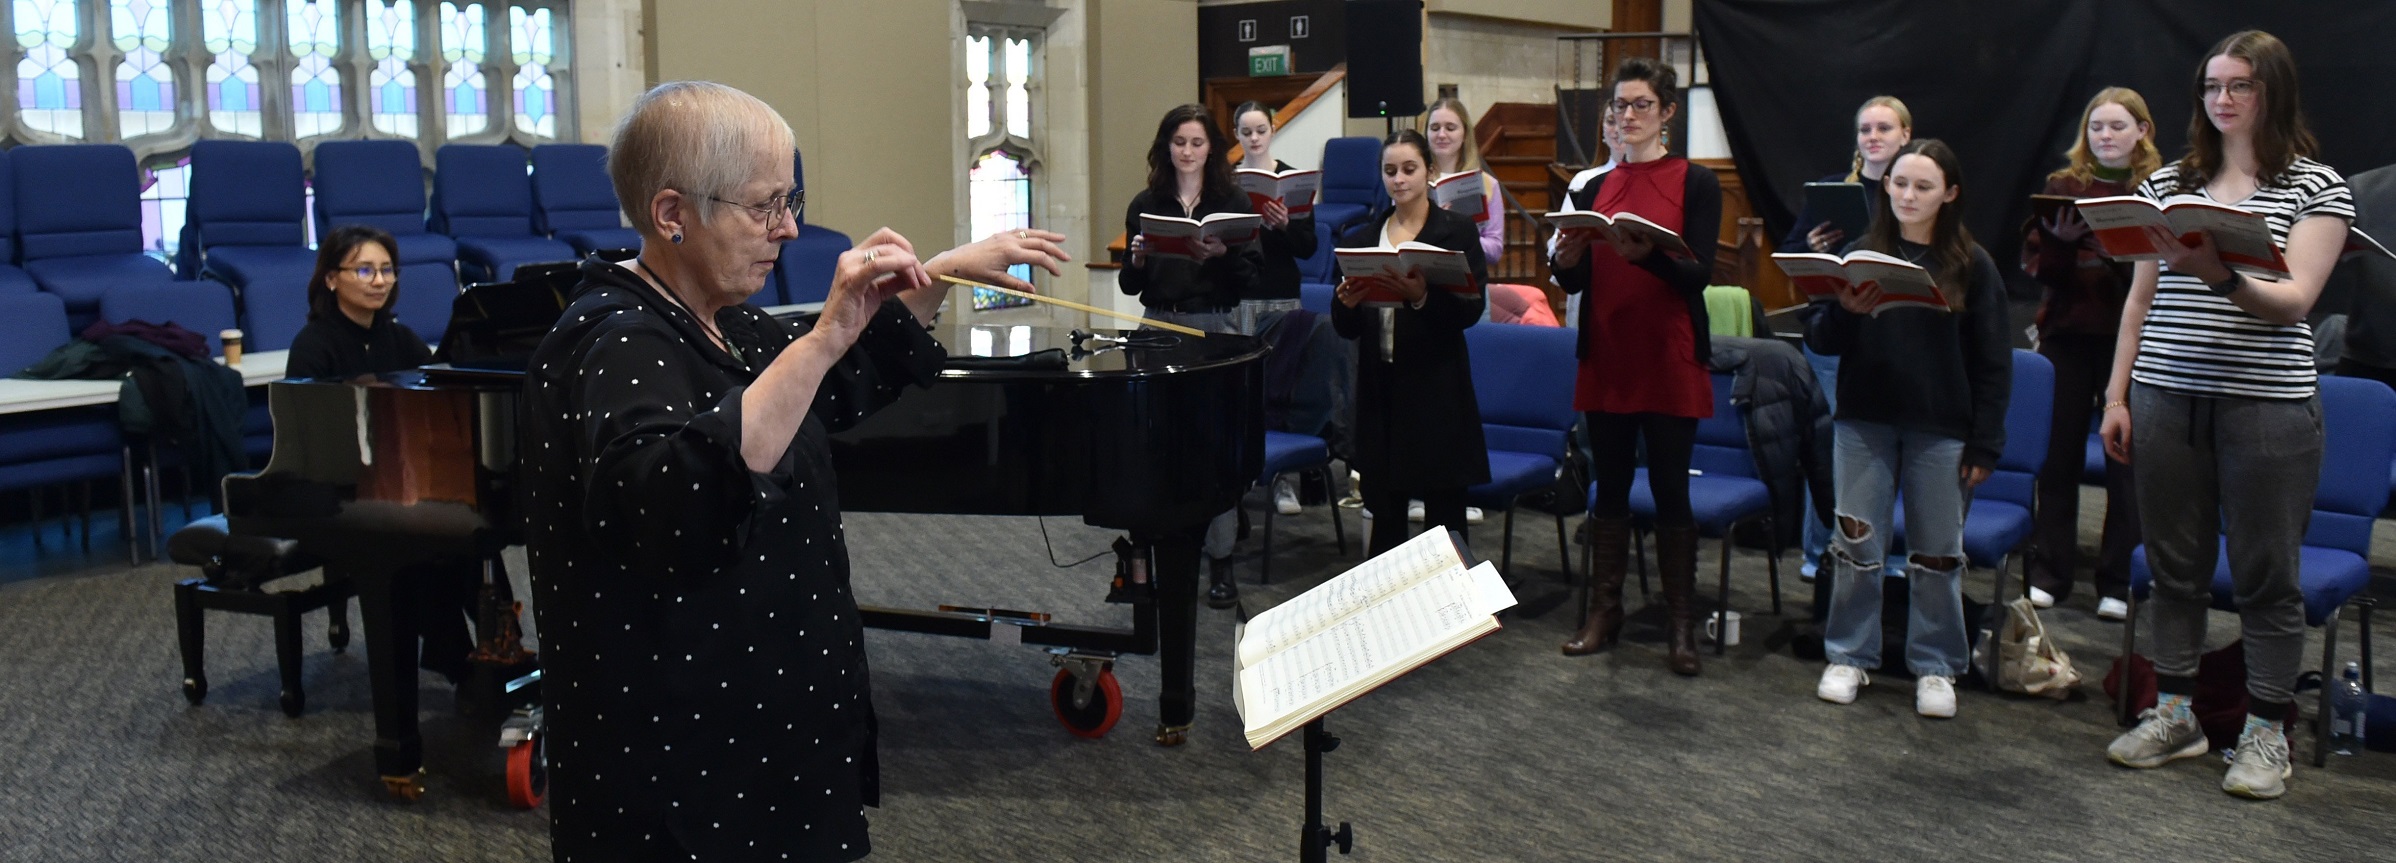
x=987, y=261
x=882, y=267
x=1859, y=299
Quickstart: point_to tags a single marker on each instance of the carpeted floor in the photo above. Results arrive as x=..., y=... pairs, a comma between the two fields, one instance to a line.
x=1502, y=751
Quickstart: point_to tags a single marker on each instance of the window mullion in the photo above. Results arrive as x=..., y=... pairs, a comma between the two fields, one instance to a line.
x=499, y=71
x=355, y=70
x=432, y=120
x=97, y=56
x=274, y=62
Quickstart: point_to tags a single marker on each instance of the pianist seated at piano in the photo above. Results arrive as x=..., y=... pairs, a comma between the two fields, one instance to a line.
x=704, y=675
x=350, y=329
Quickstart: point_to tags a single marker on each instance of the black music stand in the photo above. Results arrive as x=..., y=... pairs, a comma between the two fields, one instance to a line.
x=1316, y=838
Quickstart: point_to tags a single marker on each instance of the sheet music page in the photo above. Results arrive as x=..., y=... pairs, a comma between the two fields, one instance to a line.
x=1410, y=627
x=1387, y=573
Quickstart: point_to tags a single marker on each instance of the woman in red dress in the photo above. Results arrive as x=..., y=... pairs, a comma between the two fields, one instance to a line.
x=1643, y=352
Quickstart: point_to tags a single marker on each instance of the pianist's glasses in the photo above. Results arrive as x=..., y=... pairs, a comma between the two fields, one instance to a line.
x=794, y=203
x=368, y=274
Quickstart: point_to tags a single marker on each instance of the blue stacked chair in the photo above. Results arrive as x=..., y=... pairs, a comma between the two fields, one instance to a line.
x=1290, y=452
x=45, y=449
x=247, y=227
x=1725, y=491
x=482, y=197
x=78, y=212
x=381, y=183
x=803, y=274
x=575, y=202
x=12, y=279
x=1351, y=183
x=2358, y=430
x=2001, y=518
x=1522, y=377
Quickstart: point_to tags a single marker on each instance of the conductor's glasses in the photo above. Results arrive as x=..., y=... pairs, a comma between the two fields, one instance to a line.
x=793, y=204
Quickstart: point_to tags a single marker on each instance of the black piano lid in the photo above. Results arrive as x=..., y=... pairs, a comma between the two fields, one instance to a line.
x=1149, y=353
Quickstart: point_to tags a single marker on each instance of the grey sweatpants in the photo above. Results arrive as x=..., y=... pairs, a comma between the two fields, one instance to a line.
x=2229, y=468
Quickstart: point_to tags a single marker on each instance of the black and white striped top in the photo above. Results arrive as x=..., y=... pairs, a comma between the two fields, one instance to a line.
x=2197, y=343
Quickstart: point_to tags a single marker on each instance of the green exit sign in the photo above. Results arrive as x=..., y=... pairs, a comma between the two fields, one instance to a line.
x=1270, y=61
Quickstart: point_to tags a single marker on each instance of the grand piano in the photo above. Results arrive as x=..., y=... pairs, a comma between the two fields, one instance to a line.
x=1136, y=431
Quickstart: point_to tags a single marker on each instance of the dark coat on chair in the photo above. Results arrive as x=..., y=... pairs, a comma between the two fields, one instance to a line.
x=1418, y=425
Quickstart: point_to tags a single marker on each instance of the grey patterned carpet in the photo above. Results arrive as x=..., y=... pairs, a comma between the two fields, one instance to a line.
x=1502, y=751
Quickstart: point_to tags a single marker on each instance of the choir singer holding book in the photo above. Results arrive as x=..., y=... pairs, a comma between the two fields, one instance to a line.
x=705, y=684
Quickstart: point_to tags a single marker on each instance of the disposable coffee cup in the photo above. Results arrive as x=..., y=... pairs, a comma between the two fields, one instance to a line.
x=232, y=340
x=1716, y=630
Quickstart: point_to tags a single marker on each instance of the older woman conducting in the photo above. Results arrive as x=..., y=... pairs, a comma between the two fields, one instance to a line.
x=705, y=680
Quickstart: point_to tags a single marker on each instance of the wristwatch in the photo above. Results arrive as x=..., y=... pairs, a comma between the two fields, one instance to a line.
x=2227, y=286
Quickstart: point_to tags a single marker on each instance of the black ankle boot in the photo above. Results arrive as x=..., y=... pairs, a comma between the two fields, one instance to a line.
x=1221, y=590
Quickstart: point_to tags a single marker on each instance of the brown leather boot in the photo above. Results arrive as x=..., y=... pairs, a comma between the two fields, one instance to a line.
x=1601, y=620
x=1676, y=563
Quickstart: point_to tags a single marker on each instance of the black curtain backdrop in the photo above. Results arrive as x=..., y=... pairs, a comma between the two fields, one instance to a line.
x=2003, y=81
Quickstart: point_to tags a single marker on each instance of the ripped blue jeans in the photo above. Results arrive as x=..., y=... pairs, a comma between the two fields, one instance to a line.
x=1870, y=463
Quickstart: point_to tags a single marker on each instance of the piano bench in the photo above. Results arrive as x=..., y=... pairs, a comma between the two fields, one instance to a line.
x=234, y=572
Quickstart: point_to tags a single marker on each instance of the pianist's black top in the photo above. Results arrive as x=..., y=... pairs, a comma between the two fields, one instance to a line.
x=703, y=670
x=333, y=346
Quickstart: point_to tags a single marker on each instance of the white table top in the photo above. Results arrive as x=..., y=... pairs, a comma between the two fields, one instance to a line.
x=18, y=395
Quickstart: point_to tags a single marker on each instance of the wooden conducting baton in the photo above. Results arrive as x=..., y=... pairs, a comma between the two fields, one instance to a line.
x=1076, y=306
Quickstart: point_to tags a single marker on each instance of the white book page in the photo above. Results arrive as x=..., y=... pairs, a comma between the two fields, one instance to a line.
x=1399, y=631
x=1427, y=554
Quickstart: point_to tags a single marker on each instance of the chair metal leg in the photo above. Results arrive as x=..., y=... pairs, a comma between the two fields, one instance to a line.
x=1722, y=602
x=2363, y=636
x=124, y=476
x=1588, y=575
x=2129, y=650
x=1264, y=568
x=84, y=511
x=1339, y=529
x=1506, y=548
x=2329, y=687
x=1772, y=563
x=33, y=498
x=1563, y=551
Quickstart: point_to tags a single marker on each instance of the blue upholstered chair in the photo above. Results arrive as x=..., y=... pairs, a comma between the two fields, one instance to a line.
x=1522, y=377
x=1724, y=491
x=381, y=183
x=2002, y=515
x=575, y=202
x=1316, y=297
x=803, y=274
x=40, y=450
x=482, y=198
x=78, y=210
x=1351, y=183
x=12, y=279
x=246, y=226
x=2358, y=425
x=1288, y=452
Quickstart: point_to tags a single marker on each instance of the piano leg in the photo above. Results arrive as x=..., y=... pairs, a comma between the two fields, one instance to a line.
x=389, y=618
x=1176, y=575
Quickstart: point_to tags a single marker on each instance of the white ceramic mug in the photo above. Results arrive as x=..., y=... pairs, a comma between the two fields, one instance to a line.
x=1716, y=631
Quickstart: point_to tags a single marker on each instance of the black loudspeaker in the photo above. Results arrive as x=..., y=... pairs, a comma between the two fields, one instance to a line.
x=1385, y=58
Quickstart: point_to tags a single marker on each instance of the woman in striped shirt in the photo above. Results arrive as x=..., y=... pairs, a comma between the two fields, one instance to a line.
x=2215, y=392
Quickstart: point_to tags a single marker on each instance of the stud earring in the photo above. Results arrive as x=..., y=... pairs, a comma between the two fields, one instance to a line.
x=676, y=238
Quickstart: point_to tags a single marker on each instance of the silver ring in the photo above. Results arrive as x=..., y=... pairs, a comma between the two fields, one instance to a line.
x=1023, y=235
x=871, y=254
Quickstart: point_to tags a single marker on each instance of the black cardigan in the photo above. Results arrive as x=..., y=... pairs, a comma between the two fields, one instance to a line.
x=1418, y=423
x=1179, y=285
x=1282, y=249
x=1701, y=227
x=333, y=346
x=1947, y=373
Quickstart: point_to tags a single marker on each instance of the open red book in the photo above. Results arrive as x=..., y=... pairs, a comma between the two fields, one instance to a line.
x=1442, y=269
x=1175, y=237
x=1902, y=284
x=1362, y=629
x=1294, y=188
x=2123, y=226
x=1624, y=222
x=1462, y=193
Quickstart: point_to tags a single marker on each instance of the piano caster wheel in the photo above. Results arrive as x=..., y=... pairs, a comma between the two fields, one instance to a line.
x=1088, y=707
x=338, y=634
x=527, y=773
x=405, y=789
x=1172, y=735
x=294, y=703
x=195, y=690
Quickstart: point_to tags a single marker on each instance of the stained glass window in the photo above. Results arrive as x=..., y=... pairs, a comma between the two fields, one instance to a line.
x=463, y=46
x=163, y=195
x=230, y=33
x=49, y=85
x=1000, y=191
x=998, y=129
x=145, y=88
x=315, y=30
x=391, y=87
x=532, y=49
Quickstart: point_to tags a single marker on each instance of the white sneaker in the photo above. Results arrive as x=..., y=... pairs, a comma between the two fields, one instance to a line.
x=2040, y=598
x=1285, y=497
x=1472, y=515
x=1934, y=697
x=1414, y=511
x=2113, y=609
x=1840, y=683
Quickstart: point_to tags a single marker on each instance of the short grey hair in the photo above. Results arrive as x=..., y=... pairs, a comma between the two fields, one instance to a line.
x=696, y=137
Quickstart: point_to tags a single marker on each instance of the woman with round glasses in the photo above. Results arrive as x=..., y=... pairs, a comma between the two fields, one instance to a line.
x=1643, y=353
x=350, y=329
x=2213, y=391
x=703, y=659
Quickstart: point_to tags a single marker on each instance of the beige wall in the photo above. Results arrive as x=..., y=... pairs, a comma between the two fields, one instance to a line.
x=1580, y=15
x=1491, y=60
x=1143, y=58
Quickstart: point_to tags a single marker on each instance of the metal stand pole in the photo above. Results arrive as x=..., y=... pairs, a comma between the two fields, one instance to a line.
x=1316, y=839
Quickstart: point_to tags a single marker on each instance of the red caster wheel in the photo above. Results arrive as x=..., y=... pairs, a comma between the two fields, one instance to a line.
x=527, y=773
x=1087, y=709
